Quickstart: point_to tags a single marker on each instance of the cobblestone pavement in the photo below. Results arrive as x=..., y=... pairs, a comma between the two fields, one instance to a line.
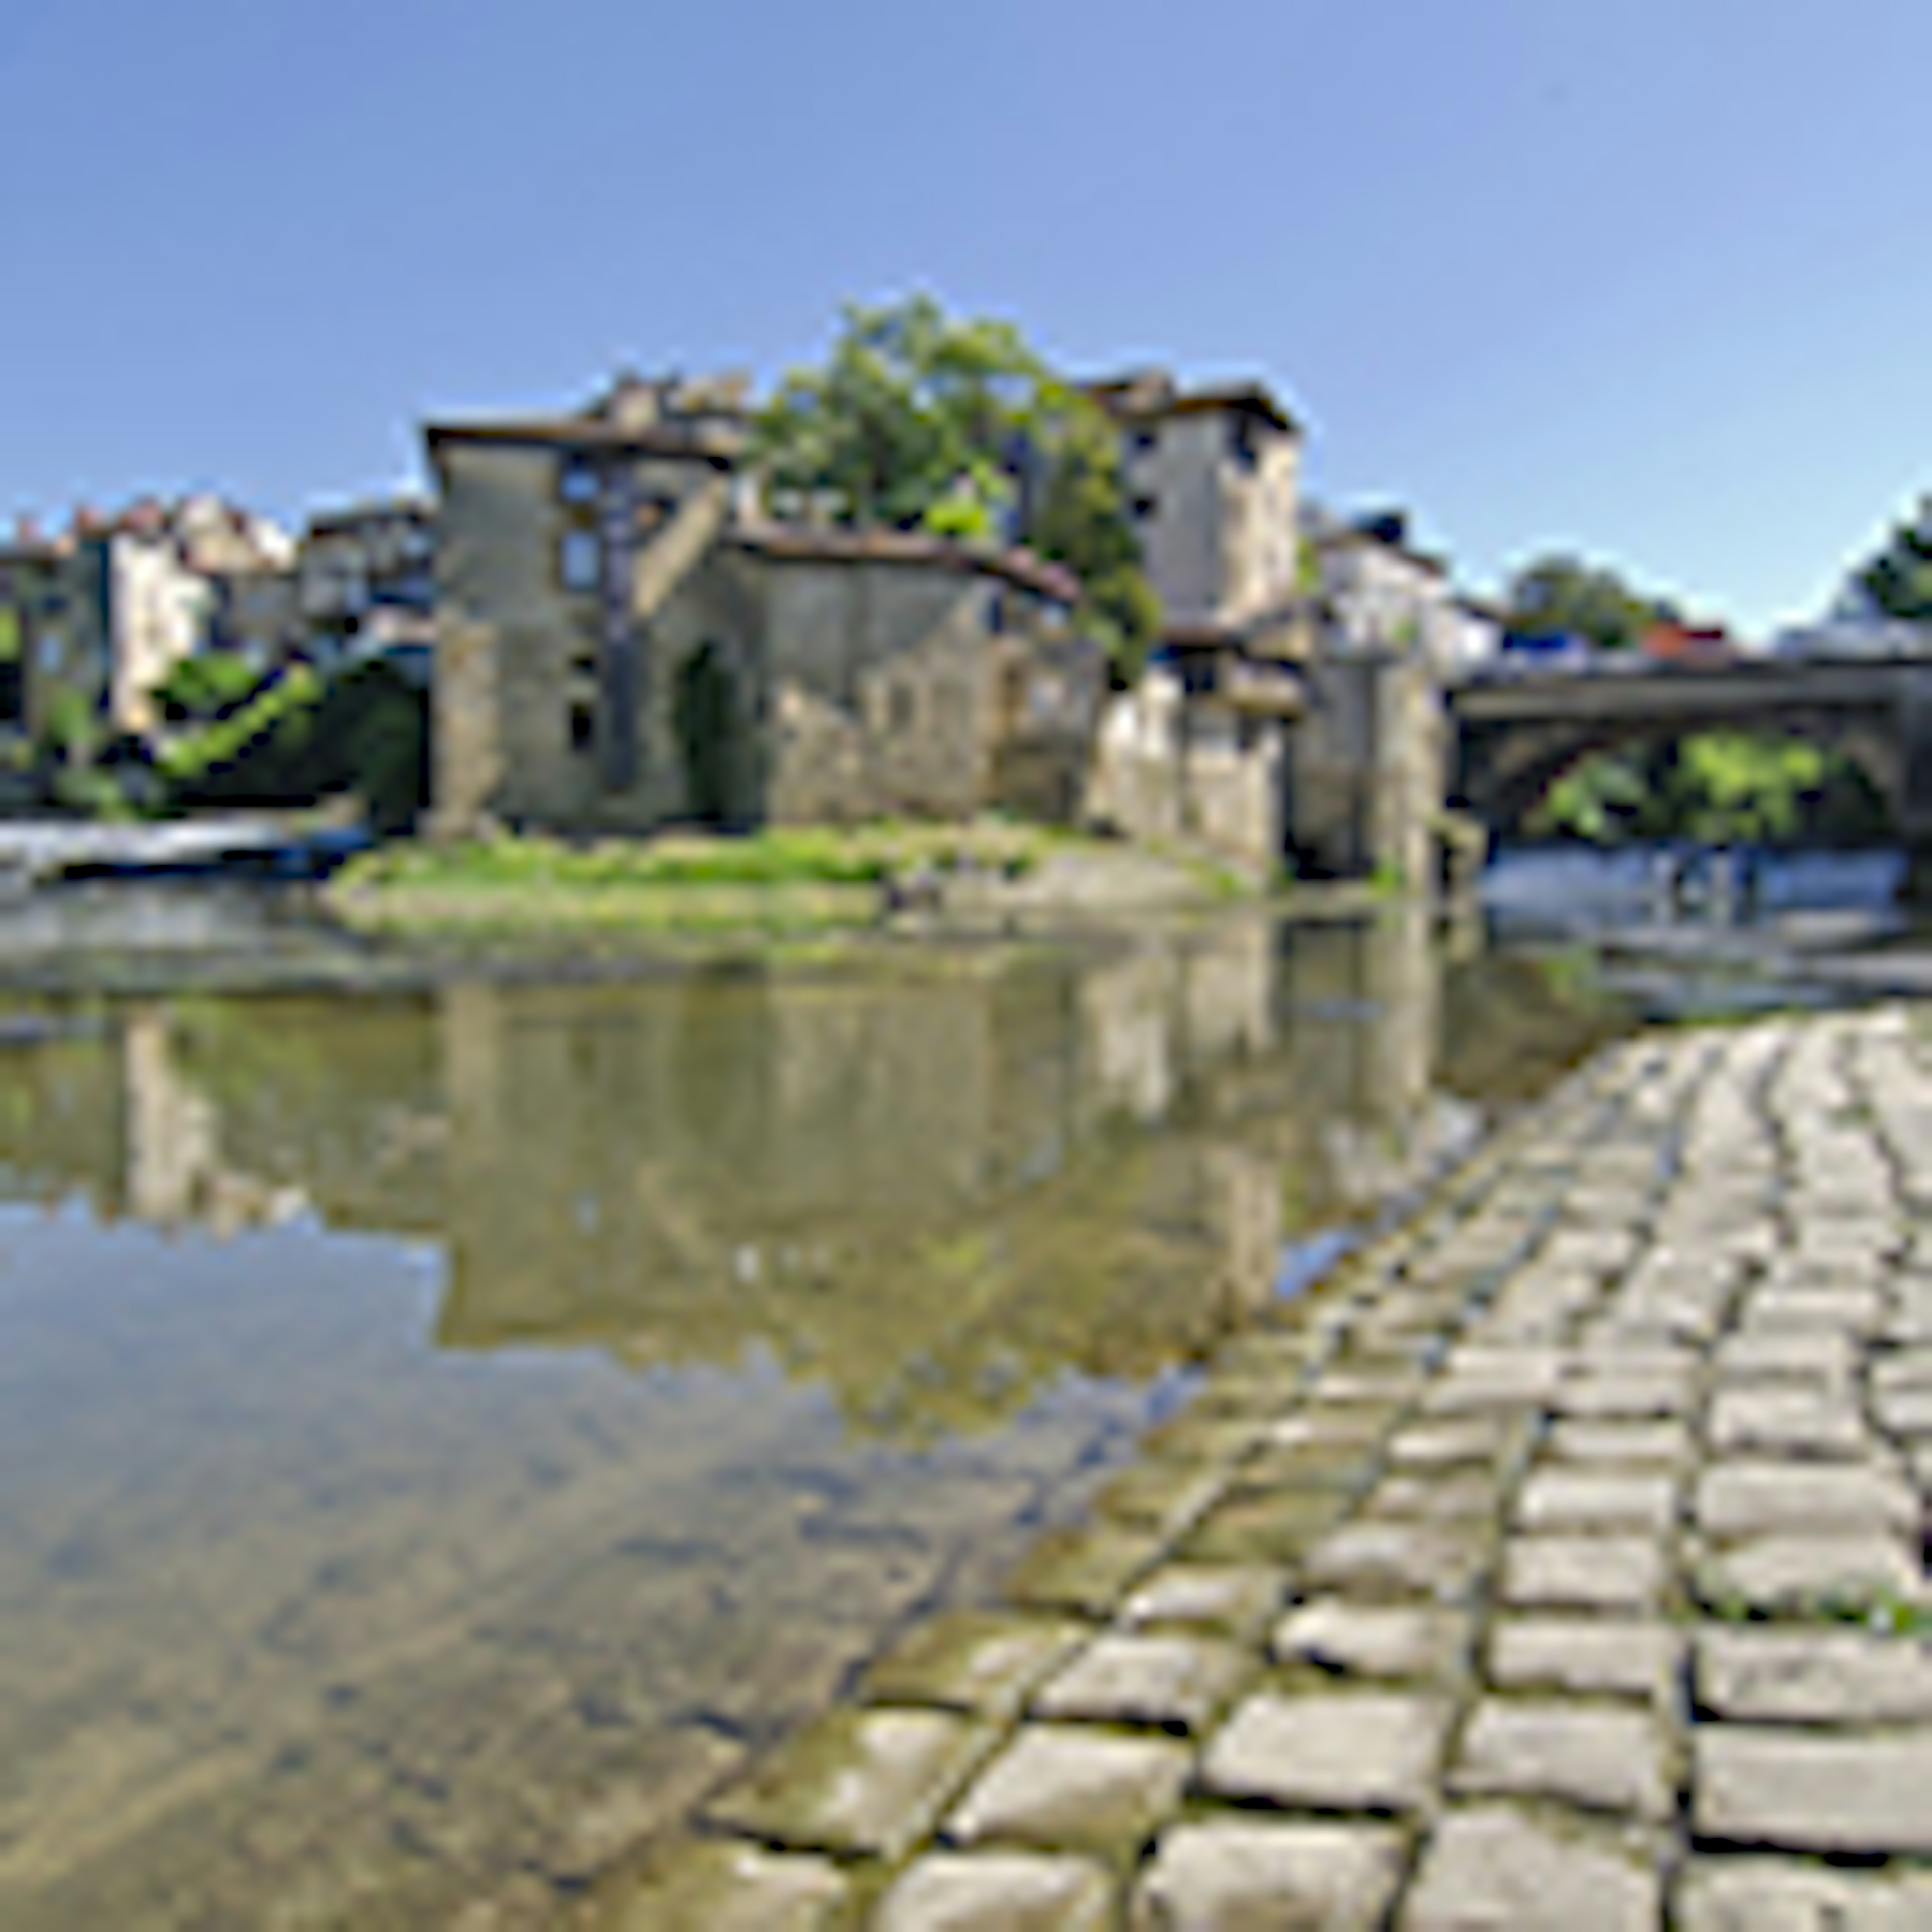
x=1561, y=1563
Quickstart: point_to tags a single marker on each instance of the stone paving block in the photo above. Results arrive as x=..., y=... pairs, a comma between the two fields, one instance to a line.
x=709, y=1886
x=1628, y=1658
x=1581, y=1499
x=1785, y=1420
x=1357, y=1751
x=1245, y=1877
x=1435, y=1498
x=1342, y=1469
x=1733, y=1894
x=1332, y=1425
x=1905, y=1411
x=1800, y=1790
x=1785, y=1354
x=871, y=1781
x=1582, y=1573
x=1264, y=1526
x=1840, y=1311
x=997, y=1891
x=1603, y=1758
x=1067, y=1787
x=973, y=1660
x=1387, y=1640
x=1801, y=1571
x=1086, y=1569
x=1748, y=1499
x=1482, y=1440
x=1818, y=1676
x=1494, y=1870
x=1636, y=1398
x=1191, y=1437
x=1160, y=1494
x=1241, y=1599
x=1398, y=1559
x=1127, y=1677
x=1634, y=1443
x=1483, y=1379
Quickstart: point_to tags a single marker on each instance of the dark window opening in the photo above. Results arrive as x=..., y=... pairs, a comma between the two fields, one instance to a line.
x=1144, y=507
x=583, y=725
x=1242, y=443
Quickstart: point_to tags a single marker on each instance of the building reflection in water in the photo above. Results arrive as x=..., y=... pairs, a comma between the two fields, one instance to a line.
x=962, y=1175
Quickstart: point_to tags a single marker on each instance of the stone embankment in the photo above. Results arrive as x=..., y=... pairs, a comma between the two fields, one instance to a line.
x=1561, y=1564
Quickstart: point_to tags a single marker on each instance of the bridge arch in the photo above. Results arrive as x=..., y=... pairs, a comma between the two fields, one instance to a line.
x=1502, y=775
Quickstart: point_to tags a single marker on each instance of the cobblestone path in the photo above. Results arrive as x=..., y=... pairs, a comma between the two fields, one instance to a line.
x=1561, y=1563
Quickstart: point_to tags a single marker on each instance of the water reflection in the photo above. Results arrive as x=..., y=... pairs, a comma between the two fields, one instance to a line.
x=462, y=1423
x=670, y=1171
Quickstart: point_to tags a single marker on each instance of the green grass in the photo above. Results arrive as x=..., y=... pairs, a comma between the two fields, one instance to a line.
x=806, y=855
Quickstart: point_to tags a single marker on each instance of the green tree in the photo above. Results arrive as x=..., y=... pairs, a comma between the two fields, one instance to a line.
x=1898, y=580
x=918, y=420
x=1079, y=518
x=1564, y=594
x=208, y=685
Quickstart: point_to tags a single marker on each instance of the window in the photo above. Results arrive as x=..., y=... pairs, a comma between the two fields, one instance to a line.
x=1141, y=441
x=580, y=560
x=576, y=481
x=1143, y=507
x=902, y=707
x=582, y=725
x=1241, y=440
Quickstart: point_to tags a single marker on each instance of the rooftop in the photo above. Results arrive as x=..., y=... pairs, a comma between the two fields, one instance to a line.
x=1151, y=395
x=811, y=543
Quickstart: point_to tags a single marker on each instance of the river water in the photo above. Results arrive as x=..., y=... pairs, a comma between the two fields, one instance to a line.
x=443, y=1430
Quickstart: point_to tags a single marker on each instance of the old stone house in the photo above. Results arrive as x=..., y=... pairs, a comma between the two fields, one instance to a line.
x=1200, y=750
x=626, y=641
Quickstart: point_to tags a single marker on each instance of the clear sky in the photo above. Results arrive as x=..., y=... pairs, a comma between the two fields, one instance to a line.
x=1648, y=278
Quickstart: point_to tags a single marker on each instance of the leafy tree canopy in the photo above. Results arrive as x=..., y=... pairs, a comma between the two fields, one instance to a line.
x=1561, y=594
x=918, y=420
x=1898, y=580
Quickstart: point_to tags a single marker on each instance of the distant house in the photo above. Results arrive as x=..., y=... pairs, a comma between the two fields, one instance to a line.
x=1376, y=592
x=1708, y=646
x=625, y=641
x=366, y=584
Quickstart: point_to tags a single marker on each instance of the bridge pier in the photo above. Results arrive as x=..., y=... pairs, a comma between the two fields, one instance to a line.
x=1367, y=776
x=1913, y=711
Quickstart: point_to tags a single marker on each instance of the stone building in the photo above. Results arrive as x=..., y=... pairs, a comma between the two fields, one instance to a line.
x=1212, y=477
x=366, y=582
x=625, y=641
x=1376, y=592
x=1200, y=750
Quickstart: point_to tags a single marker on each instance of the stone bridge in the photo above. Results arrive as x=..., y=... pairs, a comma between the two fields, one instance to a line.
x=1507, y=739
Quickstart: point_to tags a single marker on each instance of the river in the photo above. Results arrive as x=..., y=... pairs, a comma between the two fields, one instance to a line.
x=444, y=1429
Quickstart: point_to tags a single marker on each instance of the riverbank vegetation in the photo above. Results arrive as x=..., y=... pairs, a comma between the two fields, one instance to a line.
x=1716, y=788
x=797, y=879
x=232, y=736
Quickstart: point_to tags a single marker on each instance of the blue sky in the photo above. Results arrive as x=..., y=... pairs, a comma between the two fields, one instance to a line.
x=1646, y=278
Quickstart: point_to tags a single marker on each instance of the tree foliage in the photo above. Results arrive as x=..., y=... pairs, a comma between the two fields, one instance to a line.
x=918, y=420
x=1561, y=595
x=1898, y=580
x=1717, y=787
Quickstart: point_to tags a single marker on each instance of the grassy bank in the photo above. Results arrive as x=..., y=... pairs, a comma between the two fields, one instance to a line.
x=802, y=879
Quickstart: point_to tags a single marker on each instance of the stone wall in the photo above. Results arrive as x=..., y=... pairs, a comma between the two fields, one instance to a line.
x=1369, y=779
